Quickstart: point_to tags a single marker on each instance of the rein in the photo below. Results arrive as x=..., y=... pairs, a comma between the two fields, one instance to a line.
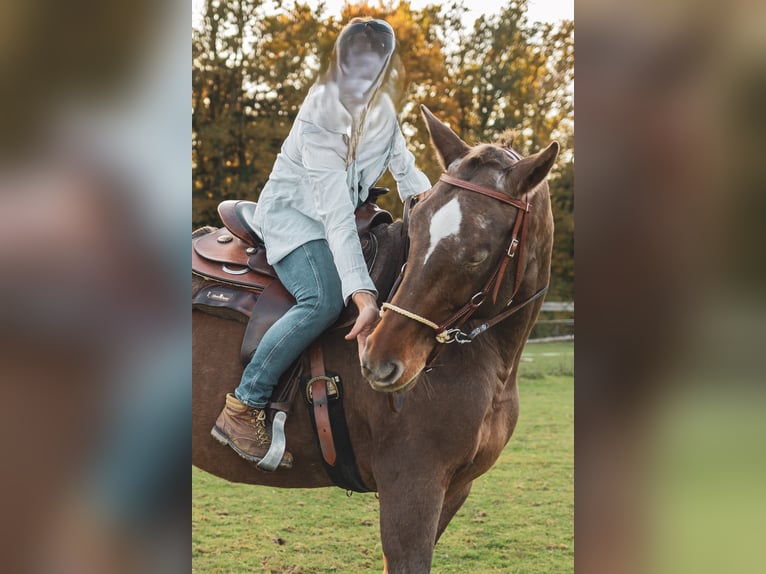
x=405, y=248
x=449, y=331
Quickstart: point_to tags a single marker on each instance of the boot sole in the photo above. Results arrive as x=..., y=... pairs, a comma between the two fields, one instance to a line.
x=218, y=435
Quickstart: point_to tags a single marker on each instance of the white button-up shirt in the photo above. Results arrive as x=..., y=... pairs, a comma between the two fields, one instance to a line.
x=314, y=188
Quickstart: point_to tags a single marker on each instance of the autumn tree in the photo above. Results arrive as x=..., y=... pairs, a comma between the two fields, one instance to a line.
x=219, y=126
x=251, y=71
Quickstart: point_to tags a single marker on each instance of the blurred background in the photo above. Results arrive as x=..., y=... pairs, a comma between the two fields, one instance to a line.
x=94, y=331
x=669, y=354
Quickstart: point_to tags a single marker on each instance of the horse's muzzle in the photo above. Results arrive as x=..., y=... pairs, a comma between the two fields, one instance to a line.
x=382, y=375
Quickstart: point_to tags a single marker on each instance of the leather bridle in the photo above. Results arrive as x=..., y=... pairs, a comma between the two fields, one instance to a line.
x=450, y=331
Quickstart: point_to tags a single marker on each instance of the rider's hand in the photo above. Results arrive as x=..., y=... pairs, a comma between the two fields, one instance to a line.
x=367, y=319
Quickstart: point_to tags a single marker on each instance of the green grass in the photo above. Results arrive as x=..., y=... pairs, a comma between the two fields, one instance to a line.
x=518, y=519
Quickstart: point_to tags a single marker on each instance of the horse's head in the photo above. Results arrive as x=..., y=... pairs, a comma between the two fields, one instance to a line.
x=482, y=238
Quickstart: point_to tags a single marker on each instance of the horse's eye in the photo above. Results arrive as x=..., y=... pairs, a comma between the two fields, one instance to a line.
x=477, y=257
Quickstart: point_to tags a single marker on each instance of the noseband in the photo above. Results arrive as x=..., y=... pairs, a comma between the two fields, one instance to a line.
x=449, y=331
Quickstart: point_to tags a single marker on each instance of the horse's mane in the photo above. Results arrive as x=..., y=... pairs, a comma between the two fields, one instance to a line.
x=506, y=139
x=495, y=153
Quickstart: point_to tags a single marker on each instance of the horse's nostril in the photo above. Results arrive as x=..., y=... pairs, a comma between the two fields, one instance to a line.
x=382, y=374
x=386, y=370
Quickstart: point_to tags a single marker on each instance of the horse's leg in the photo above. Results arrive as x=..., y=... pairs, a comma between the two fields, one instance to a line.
x=409, y=515
x=452, y=503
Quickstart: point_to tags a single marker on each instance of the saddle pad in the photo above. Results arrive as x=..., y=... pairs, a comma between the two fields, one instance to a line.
x=225, y=301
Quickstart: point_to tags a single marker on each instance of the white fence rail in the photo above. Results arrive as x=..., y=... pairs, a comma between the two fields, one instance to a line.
x=557, y=307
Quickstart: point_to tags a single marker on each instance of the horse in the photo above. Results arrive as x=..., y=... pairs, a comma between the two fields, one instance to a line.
x=448, y=347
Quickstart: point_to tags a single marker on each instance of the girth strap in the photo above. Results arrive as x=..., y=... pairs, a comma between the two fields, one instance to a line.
x=318, y=386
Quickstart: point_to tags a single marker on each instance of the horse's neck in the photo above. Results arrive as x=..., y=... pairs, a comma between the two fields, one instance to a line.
x=389, y=257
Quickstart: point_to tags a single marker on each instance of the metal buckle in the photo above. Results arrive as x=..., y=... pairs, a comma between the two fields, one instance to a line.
x=453, y=336
x=332, y=387
x=513, y=247
x=478, y=299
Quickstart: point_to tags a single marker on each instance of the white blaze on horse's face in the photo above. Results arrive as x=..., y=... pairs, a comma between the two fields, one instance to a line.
x=444, y=223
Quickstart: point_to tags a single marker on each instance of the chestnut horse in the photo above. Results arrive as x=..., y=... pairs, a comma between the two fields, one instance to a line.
x=479, y=261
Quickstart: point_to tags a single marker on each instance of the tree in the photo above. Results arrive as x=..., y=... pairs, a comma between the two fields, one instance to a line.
x=251, y=71
x=510, y=74
x=562, y=264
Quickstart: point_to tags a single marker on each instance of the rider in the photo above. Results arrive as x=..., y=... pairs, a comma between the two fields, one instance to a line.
x=345, y=136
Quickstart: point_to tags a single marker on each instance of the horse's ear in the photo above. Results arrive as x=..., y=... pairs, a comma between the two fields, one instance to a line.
x=447, y=144
x=529, y=172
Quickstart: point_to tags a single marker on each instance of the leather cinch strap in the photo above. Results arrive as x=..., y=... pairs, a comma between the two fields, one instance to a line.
x=318, y=384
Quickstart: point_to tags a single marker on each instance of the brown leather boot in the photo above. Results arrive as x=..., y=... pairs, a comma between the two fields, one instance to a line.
x=243, y=428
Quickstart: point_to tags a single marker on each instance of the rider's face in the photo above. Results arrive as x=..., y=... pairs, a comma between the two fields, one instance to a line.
x=361, y=59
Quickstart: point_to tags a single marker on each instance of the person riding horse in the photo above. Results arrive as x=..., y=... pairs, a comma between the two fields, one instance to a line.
x=345, y=136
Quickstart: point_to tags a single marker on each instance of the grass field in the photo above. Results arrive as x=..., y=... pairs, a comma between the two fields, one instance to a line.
x=518, y=519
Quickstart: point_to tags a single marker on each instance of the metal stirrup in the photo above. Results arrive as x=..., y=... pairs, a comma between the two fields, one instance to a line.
x=274, y=455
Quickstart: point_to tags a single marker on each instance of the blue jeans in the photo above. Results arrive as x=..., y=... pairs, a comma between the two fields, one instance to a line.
x=309, y=274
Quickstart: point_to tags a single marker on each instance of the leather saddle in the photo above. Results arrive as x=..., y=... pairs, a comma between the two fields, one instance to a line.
x=237, y=281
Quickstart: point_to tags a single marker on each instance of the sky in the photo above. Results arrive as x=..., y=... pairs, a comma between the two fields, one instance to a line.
x=543, y=10
x=539, y=10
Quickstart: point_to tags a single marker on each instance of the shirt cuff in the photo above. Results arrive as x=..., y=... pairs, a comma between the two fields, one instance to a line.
x=352, y=285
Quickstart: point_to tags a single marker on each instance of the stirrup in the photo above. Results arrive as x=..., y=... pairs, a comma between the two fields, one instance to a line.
x=273, y=457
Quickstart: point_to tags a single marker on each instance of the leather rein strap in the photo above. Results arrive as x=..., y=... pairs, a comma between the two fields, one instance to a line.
x=449, y=331
x=405, y=247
